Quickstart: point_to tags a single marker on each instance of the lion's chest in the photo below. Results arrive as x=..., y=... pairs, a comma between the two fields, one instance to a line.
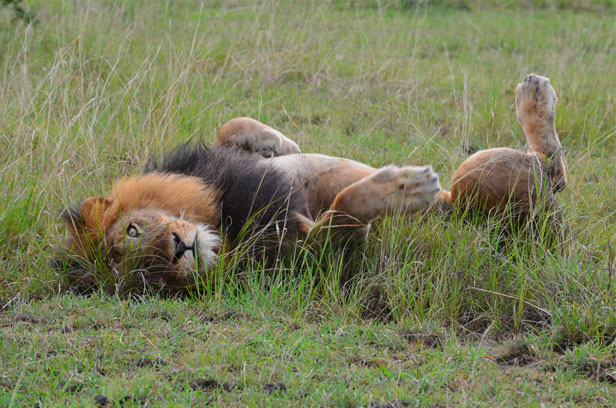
x=321, y=177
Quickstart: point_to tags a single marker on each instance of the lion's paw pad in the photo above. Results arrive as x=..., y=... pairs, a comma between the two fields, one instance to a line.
x=412, y=187
x=535, y=95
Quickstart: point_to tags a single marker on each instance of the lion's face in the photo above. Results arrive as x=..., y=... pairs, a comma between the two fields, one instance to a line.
x=166, y=249
x=156, y=228
x=145, y=245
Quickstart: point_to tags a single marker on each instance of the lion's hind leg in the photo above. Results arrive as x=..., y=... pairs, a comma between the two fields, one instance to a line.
x=536, y=111
x=388, y=190
x=256, y=137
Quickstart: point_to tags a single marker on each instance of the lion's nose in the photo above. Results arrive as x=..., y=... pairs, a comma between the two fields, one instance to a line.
x=181, y=248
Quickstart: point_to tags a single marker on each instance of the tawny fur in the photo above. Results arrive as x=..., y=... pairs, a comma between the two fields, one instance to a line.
x=179, y=195
x=498, y=179
x=156, y=248
x=335, y=185
x=321, y=178
x=251, y=135
x=297, y=196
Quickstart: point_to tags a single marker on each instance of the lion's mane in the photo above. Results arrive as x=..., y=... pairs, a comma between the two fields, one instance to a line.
x=252, y=190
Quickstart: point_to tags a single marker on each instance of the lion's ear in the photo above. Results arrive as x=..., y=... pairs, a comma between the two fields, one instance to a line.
x=93, y=212
x=86, y=225
x=72, y=217
x=89, y=214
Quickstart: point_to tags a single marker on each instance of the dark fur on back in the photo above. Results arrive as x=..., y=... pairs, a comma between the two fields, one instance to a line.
x=251, y=190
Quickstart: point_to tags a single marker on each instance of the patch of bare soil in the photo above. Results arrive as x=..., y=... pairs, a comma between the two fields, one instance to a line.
x=593, y=369
x=428, y=340
x=392, y=404
x=517, y=354
x=272, y=388
x=209, y=384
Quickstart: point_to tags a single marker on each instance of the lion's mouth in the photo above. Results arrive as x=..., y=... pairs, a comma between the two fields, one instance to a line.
x=181, y=248
x=197, y=249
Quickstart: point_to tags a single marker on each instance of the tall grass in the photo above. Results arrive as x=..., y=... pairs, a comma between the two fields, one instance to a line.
x=91, y=89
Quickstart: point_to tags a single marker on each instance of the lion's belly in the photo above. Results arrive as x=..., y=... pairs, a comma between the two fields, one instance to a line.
x=321, y=177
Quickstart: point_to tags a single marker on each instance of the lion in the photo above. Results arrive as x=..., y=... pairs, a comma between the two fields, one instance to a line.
x=168, y=226
x=508, y=181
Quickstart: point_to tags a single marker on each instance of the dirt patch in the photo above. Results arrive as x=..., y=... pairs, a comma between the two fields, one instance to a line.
x=209, y=384
x=428, y=340
x=517, y=354
x=205, y=384
x=102, y=401
x=221, y=317
x=272, y=388
x=392, y=404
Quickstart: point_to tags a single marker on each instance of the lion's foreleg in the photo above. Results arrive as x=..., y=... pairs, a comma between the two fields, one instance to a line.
x=390, y=189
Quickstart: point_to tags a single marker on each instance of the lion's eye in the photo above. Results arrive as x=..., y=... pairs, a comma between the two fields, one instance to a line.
x=132, y=231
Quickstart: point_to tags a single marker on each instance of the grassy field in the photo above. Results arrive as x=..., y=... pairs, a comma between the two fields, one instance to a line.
x=432, y=312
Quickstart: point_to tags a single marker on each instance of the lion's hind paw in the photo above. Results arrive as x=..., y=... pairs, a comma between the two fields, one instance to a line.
x=535, y=98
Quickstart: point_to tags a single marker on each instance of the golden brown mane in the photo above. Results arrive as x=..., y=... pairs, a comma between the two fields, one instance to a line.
x=182, y=196
x=177, y=194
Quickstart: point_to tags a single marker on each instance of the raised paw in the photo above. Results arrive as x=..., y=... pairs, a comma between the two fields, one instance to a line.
x=535, y=102
x=270, y=143
x=253, y=136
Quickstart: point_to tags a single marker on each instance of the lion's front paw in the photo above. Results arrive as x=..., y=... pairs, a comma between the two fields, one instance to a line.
x=411, y=188
x=535, y=100
x=253, y=136
x=271, y=142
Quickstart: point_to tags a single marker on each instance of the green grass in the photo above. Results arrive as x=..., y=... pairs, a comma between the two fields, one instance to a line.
x=432, y=311
x=161, y=353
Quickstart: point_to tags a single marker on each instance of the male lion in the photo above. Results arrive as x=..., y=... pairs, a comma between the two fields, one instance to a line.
x=174, y=222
